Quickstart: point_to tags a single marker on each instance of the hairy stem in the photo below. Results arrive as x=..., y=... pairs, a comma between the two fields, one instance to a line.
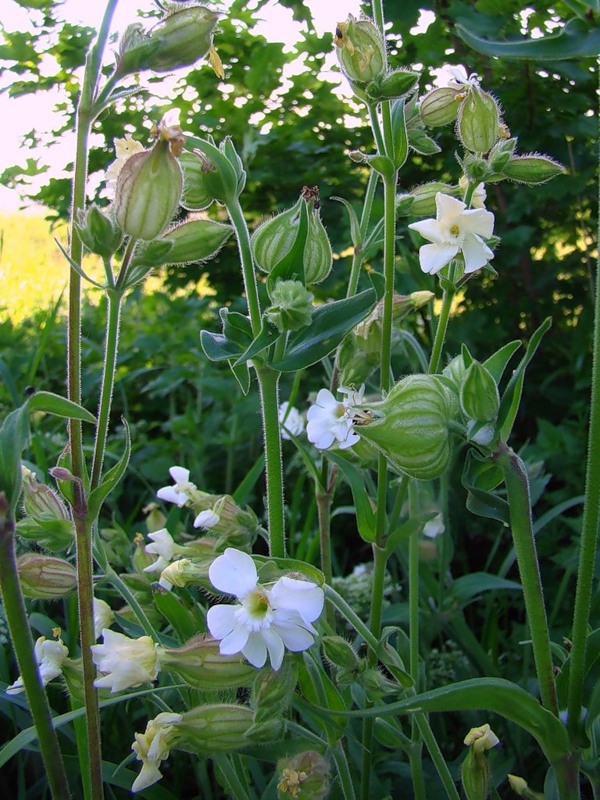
x=268, y=381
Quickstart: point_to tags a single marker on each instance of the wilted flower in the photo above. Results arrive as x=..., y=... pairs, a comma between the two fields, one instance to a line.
x=264, y=620
x=481, y=738
x=152, y=747
x=330, y=421
x=456, y=229
x=50, y=655
x=124, y=662
x=163, y=546
x=103, y=616
x=179, y=493
x=291, y=421
x=124, y=149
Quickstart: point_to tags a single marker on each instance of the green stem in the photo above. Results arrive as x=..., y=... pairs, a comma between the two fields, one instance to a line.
x=20, y=634
x=440, y=331
x=517, y=487
x=323, y=498
x=589, y=536
x=268, y=381
x=436, y=755
x=236, y=215
x=114, y=299
x=341, y=763
x=389, y=247
x=416, y=751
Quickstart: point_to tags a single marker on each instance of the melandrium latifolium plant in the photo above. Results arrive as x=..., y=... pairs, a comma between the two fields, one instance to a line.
x=278, y=676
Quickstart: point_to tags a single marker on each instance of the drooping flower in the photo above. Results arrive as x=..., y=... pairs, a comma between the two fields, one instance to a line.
x=479, y=195
x=456, y=229
x=291, y=421
x=179, y=492
x=264, y=620
x=207, y=519
x=103, y=616
x=330, y=421
x=152, y=747
x=163, y=546
x=50, y=655
x=124, y=662
x=481, y=738
x=124, y=149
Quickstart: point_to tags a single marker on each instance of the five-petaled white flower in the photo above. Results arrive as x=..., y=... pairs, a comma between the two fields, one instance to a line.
x=164, y=547
x=264, y=620
x=152, y=747
x=179, y=492
x=456, y=229
x=124, y=662
x=50, y=655
x=330, y=421
x=291, y=421
x=103, y=616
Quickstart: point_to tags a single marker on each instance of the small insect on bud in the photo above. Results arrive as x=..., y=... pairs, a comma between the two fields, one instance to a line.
x=149, y=186
x=478, y=120
x=360, y=50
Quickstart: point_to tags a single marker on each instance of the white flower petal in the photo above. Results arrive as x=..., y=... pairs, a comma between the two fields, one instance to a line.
x=476, y=253
x=302, y=596
x=235, y=641
x=233, y=573
x=149, y=774
x=479, y=221
x=255, y=650
x=206, y=519
x=295, y=637
x=448, y=206
x=429, y=229
x=220, y=620
x=275, y=647
x=180, y=475
x=433, y=257
x=170, y=494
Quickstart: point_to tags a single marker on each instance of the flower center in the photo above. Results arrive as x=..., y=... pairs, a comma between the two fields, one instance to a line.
x=455, y=229
x=255, y=612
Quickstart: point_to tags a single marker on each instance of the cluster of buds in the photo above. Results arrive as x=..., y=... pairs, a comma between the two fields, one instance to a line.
x=479, y=398
x=352, y=670
x=47, y=520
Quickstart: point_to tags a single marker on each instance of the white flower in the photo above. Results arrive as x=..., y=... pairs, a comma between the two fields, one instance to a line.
x=50, y=655
x=179, y=493
x=103, y=616
x=479, y=194
x=330, y=421
x=164, y=547
x=124, y=148
x=459, y=78
x=264, y=620
x=152, y=747
x=207, y=519
x=456, y=229
x=290, y=420
x=124, y=662
x=481, y=738
x=434, y=527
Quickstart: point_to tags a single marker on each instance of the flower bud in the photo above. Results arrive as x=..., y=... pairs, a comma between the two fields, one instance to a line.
x=521, y=787
x=478, y=120
x=48, y=532
x=423, y=204
x=360, y=50
x=394, y=84
x=440, y=106
x=532, y=169
x=39, y=499
x=479, y=396
x=196, y=196
x=501, y=153
x=149, y=188
x=455, y=371
x=216, y=728
x=182, y=572
x=305, y=776
x=339, y=652
x=200, y=665
x=410, y=427
x=475, y=770
x=179, y=40
x=98, y=232
x=274, y=239
x=292, y=306
x=197, y=240
x=44, y=577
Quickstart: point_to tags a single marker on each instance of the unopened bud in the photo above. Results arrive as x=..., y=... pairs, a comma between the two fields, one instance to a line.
x=196, y=196
x=501, y=153
x=479, y=396
x=475, y=770
x=45, y=577
x=339, y=652
x=303, y=776
x=47, y=532
x=423, y=204
x=410, y=427
x=98, y=232
x=183, y=572
x=360, y=49
x=215, y=728
x=440, y=106
x=292, y=306
x=149, y=188
x=394, y=84
x=521, y=787
x=478, y=120
x=197, y=240
x=532, y=169
x=200, y=664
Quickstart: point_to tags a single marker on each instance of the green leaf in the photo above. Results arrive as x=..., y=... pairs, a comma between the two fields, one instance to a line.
x=14, y=436
x=578, y=39
x=291, y=266
x=293, y=565
x=111, y=479
x=468, y=587
x=399, y=133
x=242, y=375
x=479, y=477
x=218, y=347
x=267, y=336
x=509, y=405
x=182, y=620
x=330, y=323
x=355, y=232
x=497, y=363
x=365, y=513
x=52, y=403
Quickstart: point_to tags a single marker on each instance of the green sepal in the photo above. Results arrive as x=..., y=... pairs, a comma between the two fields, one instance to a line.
x=111, y=478
x=271, y=567
x=365, y=512
x=330, y=323
x=221, y=182
x=291, y=266
x=509, y=404
x=399, y=134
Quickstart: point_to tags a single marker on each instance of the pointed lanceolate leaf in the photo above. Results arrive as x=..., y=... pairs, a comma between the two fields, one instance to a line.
x=497, y=363
x=330, y=323
x=291, y=266
x=365, y=514
x=267, y=336
x=111, y=478
x=14, y=436
x=52, y=403
x=218, y=348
